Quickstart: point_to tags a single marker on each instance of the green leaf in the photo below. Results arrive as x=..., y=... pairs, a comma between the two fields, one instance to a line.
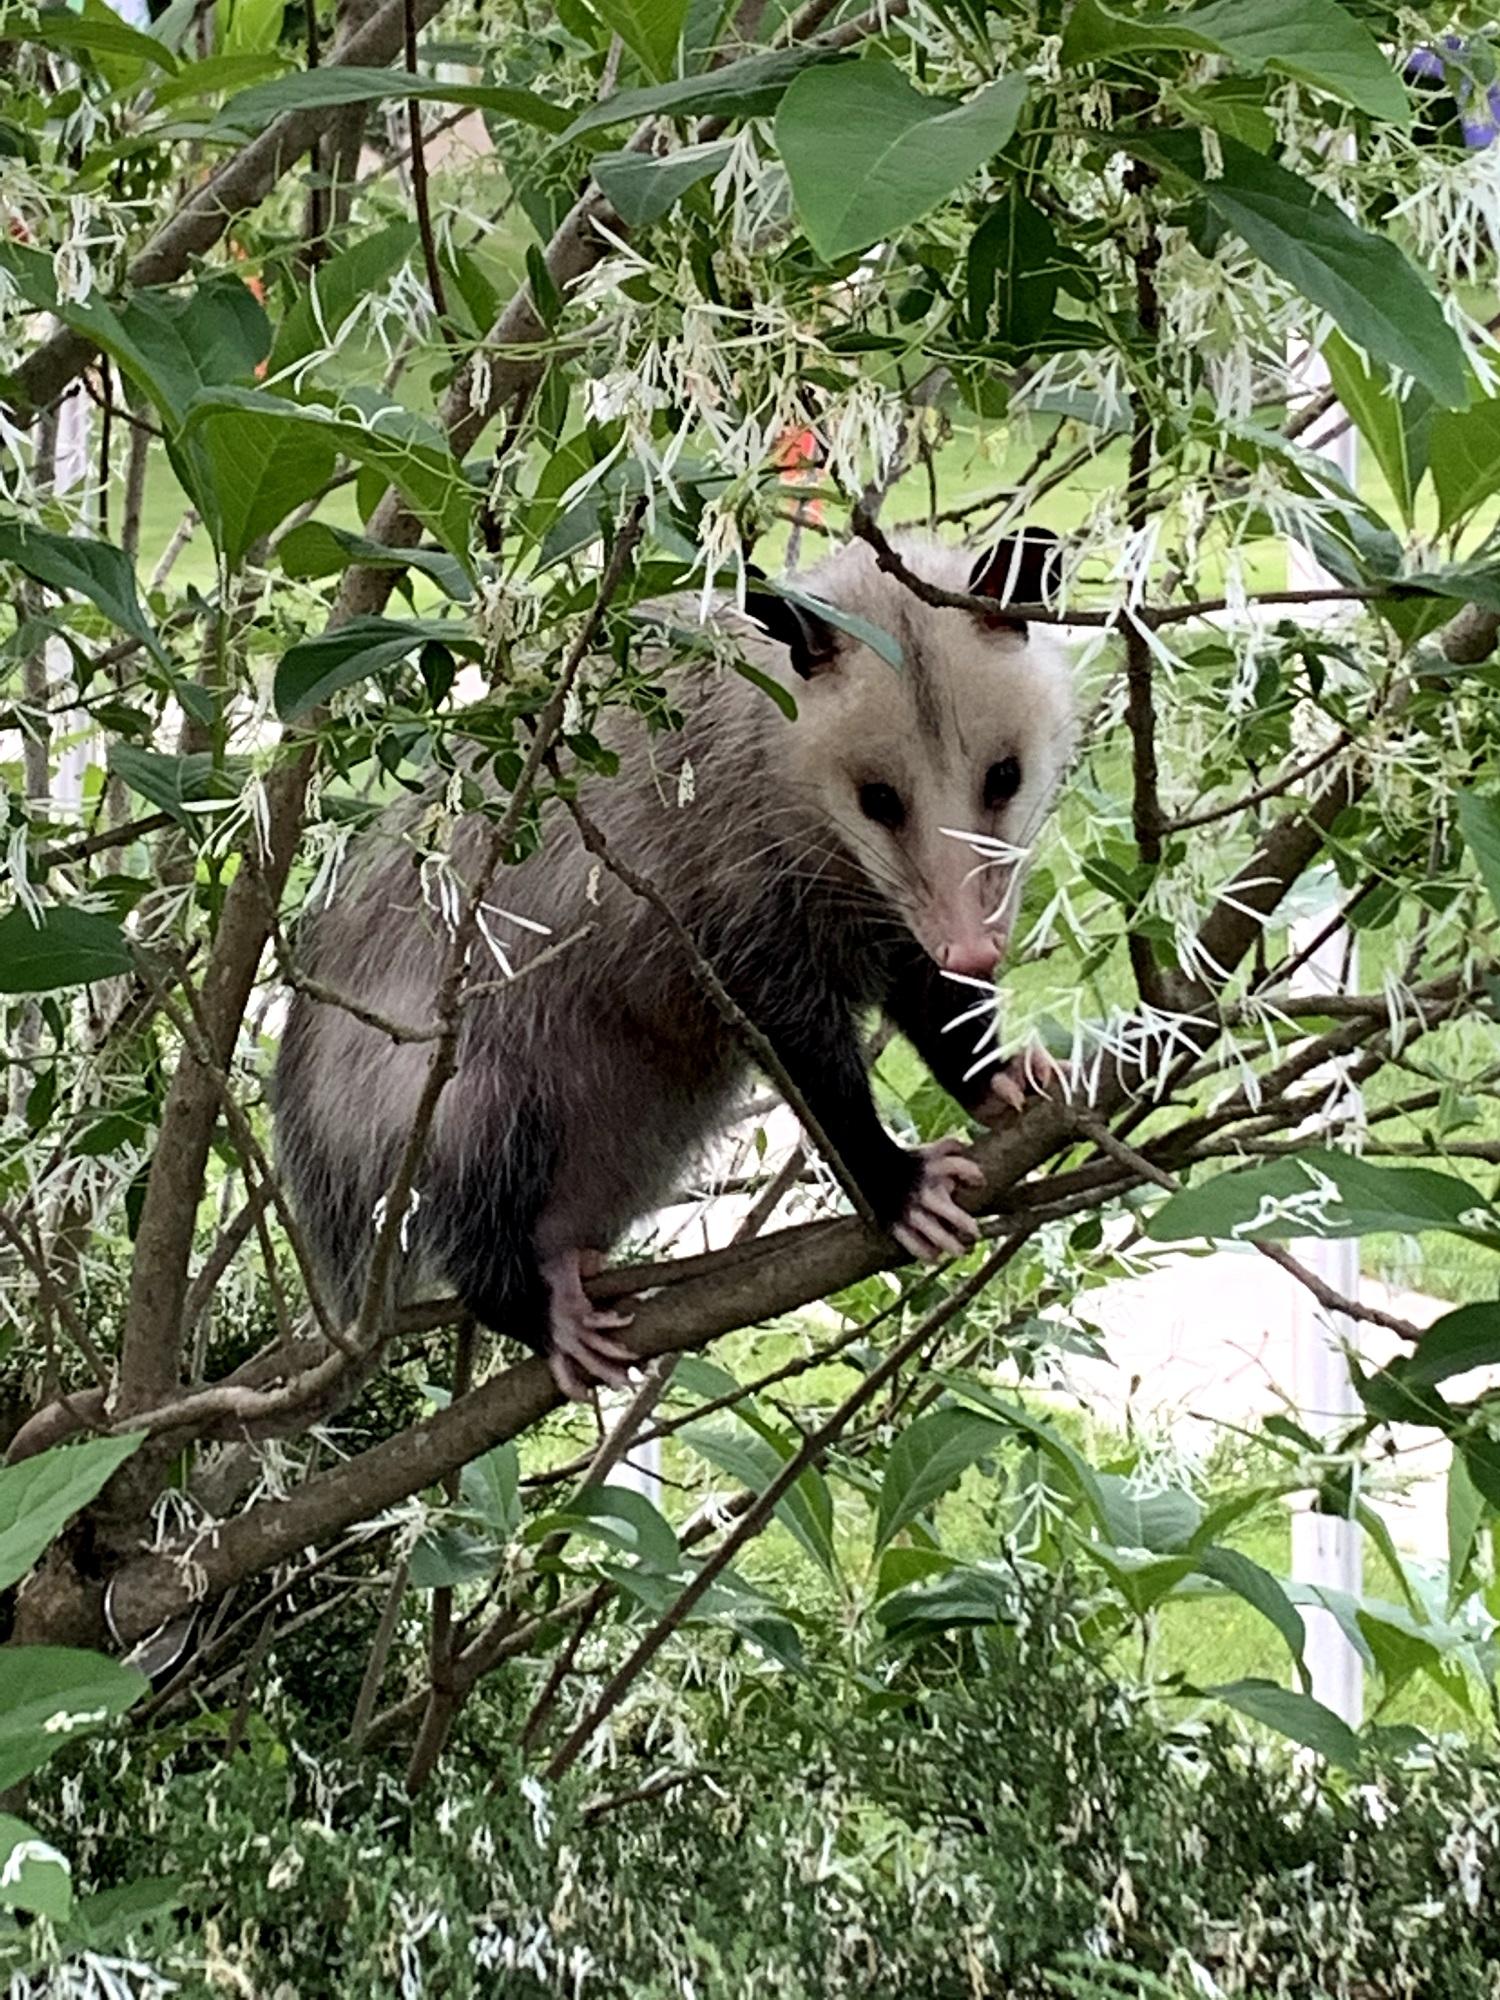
x=317, y=668
x=41, y=1495
x=108, y=1918
x=267, y=449
x=968, y=1594
x=1463, y=583
x=171, y=782
x=249, y=27
x=1315, y=41
x=173, y=344
x=1013, y=272
x=1260, y=1590
x=37, y=1879
x=874, y=636
x=1375, y=294
x=1037, y=1431
x=259, y=469
x=1236, y=105
x=317, y=548
x=650, y=29
x=60, y=28
x=643, y=186
x=930, y=1456
x=95, y=570
x=1461, y=1340
x=1375, y=1527
x=1400, y=1652
x=1394, y=428
x=1366, y=1200
x=52, y=1693
x=489, y=1488
x=1479, y=823
x=746, y=89
x=866, y=154
x=805, y=1510
x=446, y=1555
x=1141, y=1581
x=216, y=73
x=312, y=89
x=621, y=1518
x=335, y=289
x=1162, y=1522
x=1466, y=1511
x=1295, y=1715
x=1481, y=1455
x=68, y=947
x=1465, y=459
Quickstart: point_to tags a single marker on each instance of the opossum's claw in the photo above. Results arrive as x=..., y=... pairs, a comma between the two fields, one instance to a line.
x=581, y=1355
x=1032, y=1073
x=933, y=1225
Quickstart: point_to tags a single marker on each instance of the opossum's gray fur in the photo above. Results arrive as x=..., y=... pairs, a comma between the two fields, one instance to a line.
x=585, y=1093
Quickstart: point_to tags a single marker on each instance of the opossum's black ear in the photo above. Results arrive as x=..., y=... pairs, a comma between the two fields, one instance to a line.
x=811, y=640
x=1019, y=569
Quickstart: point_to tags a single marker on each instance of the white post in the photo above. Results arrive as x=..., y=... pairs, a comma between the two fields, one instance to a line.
x=640, y=1470
x=1325, y=1550
x=72, y=473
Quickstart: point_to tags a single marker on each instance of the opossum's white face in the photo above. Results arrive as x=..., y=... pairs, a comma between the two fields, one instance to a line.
x=935, y=776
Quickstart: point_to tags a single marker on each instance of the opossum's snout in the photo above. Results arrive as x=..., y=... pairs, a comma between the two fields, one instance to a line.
x=975, y=957
x=966, y=911
x=962, y=935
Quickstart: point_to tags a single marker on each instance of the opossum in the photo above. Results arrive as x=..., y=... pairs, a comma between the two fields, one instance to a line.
x=820, y=865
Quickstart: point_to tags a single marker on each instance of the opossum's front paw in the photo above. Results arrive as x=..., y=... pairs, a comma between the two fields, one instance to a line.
x=1032, y=1073
x=932, y=1224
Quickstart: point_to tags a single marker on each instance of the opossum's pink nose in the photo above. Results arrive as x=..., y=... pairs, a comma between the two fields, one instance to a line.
x=974, y=957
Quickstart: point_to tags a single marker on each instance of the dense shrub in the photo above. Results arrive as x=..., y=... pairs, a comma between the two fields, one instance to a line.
x=1033, y=1830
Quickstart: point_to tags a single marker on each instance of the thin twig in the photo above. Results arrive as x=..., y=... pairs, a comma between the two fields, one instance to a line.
x=101, y=843
x=419, y=195
x=1333, y=1301
x=1188, y=822
x=380, y=1652
x=193, y=1030
x=232, y=1240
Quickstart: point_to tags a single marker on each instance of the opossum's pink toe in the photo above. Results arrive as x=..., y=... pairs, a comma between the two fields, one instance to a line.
x=1032, y=1073
x=582, y=1354
x=598, y=1317
x=933, y=1225
x=567, y=1378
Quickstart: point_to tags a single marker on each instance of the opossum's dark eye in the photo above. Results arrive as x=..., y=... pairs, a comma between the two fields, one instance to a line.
x=882, y=803
x=1002, y=781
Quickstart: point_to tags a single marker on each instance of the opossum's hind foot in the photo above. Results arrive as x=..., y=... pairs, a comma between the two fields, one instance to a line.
x=932, y=1224
x=580, y=1352
x=1032, y=1073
